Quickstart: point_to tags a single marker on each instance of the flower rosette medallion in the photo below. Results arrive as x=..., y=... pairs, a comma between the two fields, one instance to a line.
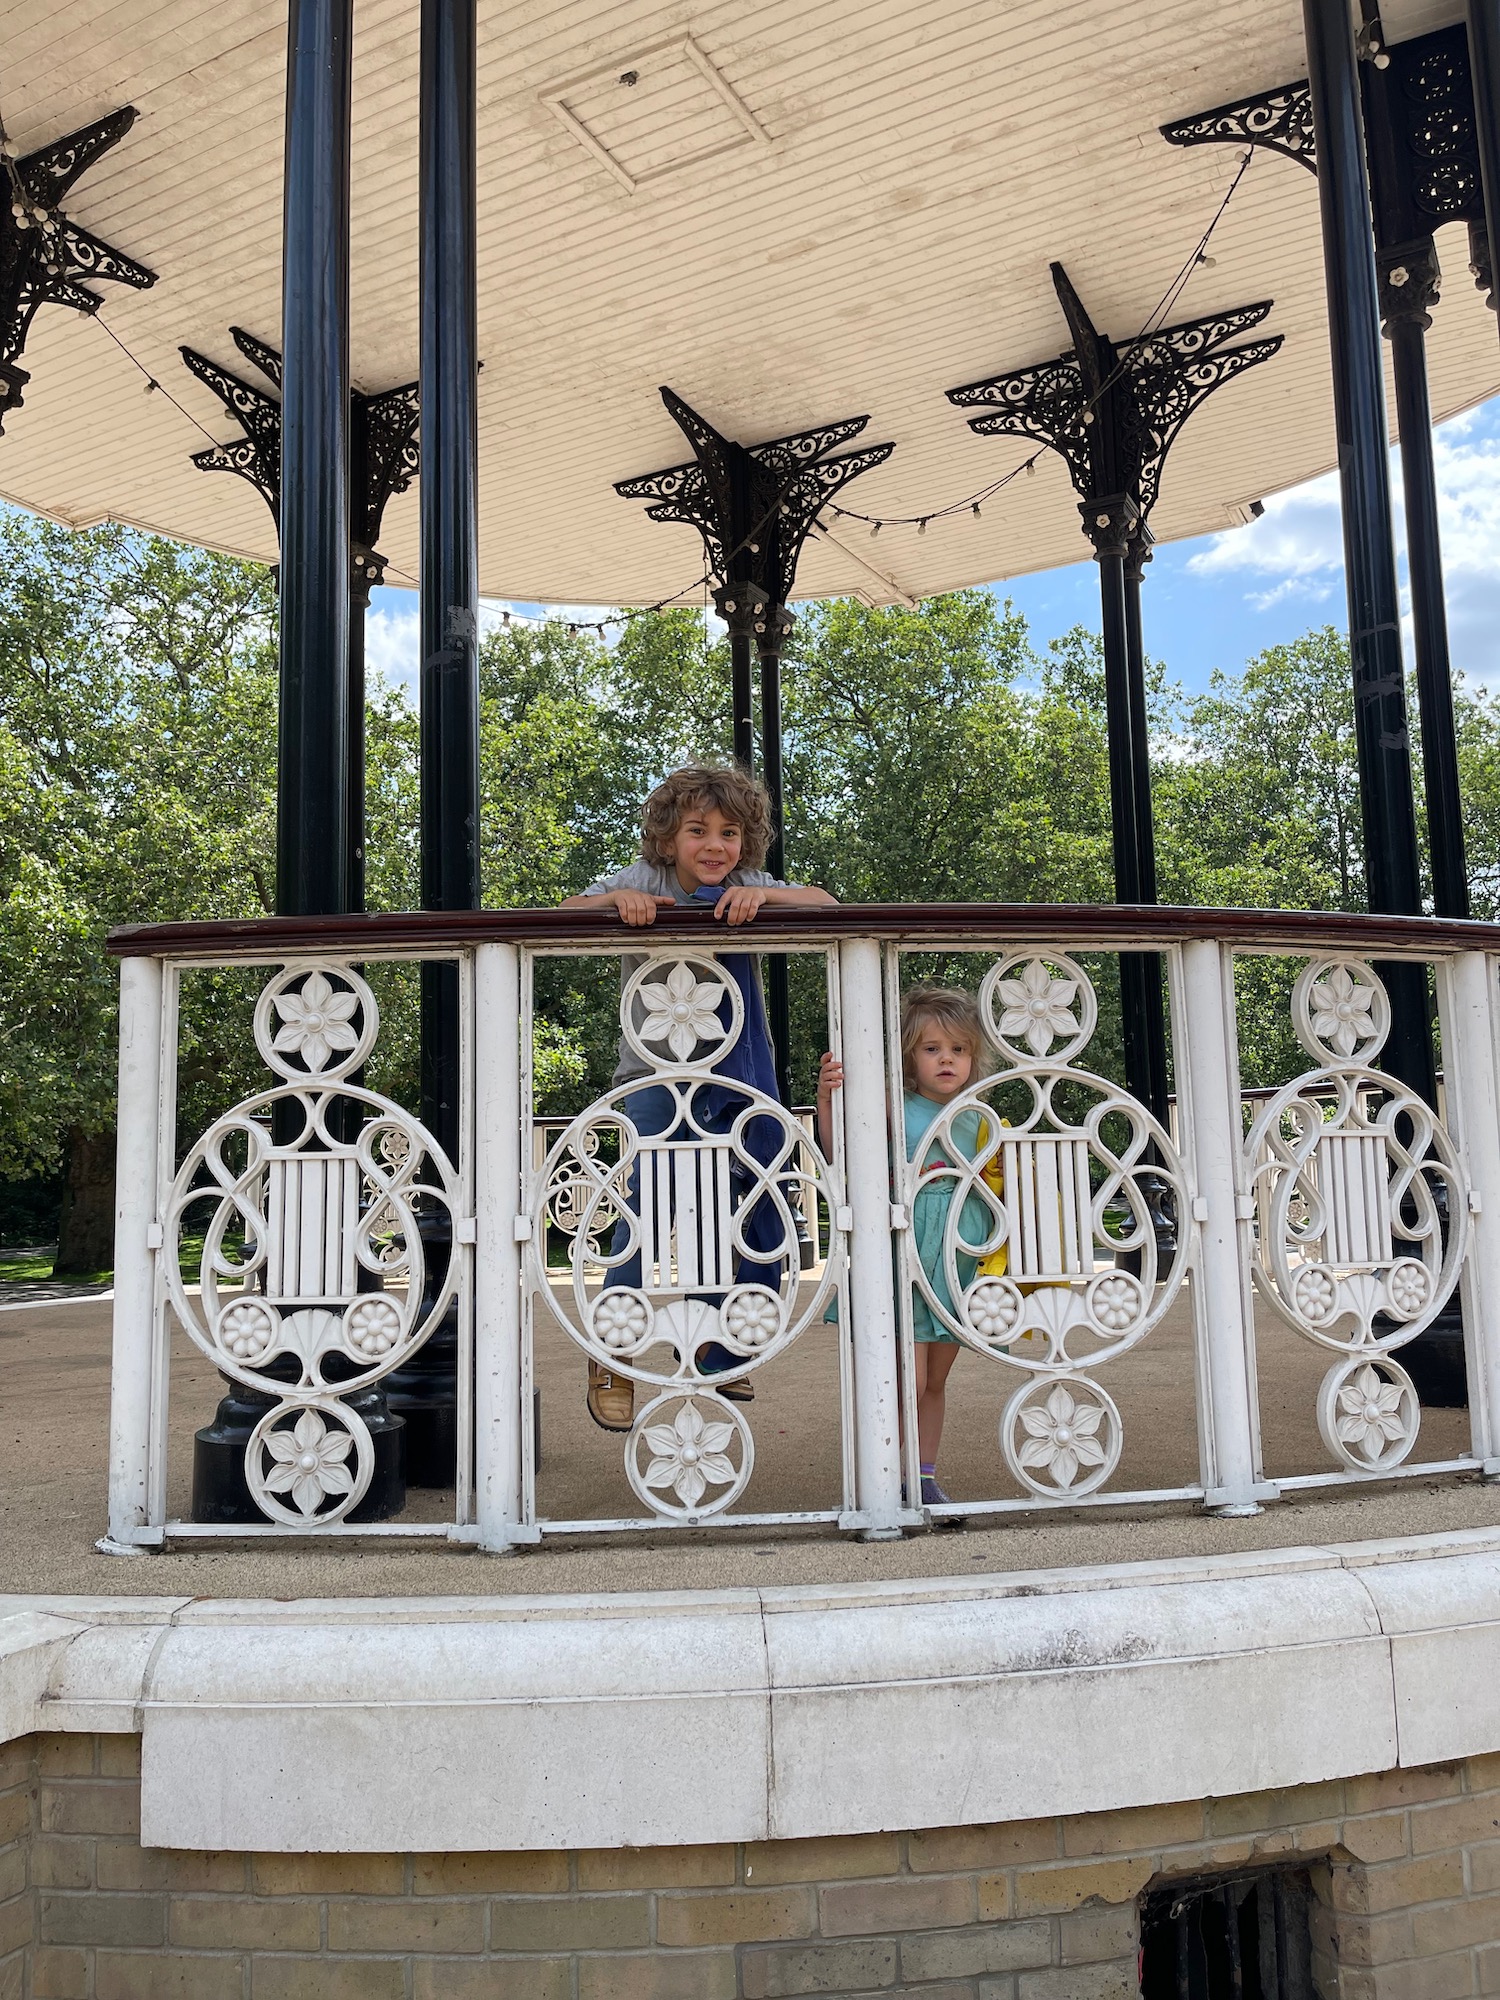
x=690, y=1454
x=309, y=1462
x=1061, y=1436
x=1368, y=1412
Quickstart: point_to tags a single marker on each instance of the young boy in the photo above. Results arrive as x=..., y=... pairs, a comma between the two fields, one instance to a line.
x=704, y=832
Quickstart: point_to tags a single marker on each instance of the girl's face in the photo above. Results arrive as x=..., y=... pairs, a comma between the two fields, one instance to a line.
x=941, y=1062
x=705, y=847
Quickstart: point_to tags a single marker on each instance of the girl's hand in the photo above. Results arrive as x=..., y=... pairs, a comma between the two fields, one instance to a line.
x=830, y=1078
x=636, y=907
x=740, y=904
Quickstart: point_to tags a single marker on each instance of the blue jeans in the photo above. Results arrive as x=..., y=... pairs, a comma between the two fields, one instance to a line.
x=653, y=1111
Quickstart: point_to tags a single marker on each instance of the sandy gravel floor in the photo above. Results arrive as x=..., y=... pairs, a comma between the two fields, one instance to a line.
x=54, y=1407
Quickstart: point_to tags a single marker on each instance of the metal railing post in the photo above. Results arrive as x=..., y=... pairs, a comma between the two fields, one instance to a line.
x=1209, y=1113
x=137, y=1233
x=1467, y=1008
x=872, y=1303
x=498, y=1148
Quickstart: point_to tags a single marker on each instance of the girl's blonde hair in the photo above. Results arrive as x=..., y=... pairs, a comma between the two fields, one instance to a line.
x=952, y=1009
x=736, y=794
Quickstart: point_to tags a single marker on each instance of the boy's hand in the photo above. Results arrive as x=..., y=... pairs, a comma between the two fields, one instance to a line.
x=636, y=907
x=830, y=1078
x=739, y=905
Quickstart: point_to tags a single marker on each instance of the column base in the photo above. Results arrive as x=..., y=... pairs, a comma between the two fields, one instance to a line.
x=222, y=1499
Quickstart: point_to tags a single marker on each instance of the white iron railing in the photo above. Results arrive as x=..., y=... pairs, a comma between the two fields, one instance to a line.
x=657, y=1229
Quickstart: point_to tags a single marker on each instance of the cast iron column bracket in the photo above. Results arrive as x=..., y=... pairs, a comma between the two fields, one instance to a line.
x=1410, y=281
x=43, y=256
x=383, y=436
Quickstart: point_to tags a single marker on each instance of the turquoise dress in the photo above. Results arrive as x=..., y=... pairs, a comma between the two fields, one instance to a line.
x=929, y=1215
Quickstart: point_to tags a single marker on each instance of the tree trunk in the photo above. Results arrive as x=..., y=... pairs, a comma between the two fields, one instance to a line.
x=86, y=1230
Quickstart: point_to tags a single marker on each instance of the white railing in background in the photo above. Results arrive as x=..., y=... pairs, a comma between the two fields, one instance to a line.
x=1341, y=1200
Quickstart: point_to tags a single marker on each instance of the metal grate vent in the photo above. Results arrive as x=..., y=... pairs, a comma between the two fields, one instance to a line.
x=656, y=112
x=1229, y=1937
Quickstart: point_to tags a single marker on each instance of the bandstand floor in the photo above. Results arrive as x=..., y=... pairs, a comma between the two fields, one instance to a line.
x=54, y=1411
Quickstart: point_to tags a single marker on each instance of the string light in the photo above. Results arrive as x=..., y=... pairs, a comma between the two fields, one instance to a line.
x=1027, y=469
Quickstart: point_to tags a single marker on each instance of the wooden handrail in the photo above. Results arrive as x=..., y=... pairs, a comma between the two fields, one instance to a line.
x=411, y=933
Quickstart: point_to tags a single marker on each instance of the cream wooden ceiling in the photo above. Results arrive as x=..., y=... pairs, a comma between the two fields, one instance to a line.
x=801, y=210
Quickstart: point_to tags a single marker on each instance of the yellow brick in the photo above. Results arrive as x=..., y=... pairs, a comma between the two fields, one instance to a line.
x=1251, y=1811
x=1484, y=1867
x=1039, y=1890
x=1476, y=1920
x=1136, y=1830
x=366, y=1924
x=17, y=1761
x=125, y=1864
x=240, y=1923
x=1374, y=1940
x=119, y=1756
x=161, y=1975
x=942, y=1849
x=1483, y=1773
x=649, y=1868
x=1375, y=1837
x=96, y=1805
x=13, y=1873
x=328, y=1874
x=17, y=1926
x=1449, y=1978
x=1316, y=1837
x=492, y=1979
x=15, y=1817
x=737, y=1918
x=65, y=1756
x=553, y=1924
x=63, y=1864
x=325, y=1979
x=1455, y=1824
x=538, y=1874
x=1399, y=1885
x=57, y=1974
x=850, y=1857
x=678, y=1975
x=1379, y=1789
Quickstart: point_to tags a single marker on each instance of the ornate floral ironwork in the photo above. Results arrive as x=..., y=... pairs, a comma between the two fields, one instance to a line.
x=383, y=443
x=753, y=505
x=43, y=255
x=1280, y=120
x=1112, y=413
x=1050, y=1261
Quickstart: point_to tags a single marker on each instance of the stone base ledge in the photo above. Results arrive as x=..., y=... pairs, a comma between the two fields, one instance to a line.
x=356, y=1725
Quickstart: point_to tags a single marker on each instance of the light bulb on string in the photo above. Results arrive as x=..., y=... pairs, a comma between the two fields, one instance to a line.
x=874, y=530
x=975, y=511
x=922, y=526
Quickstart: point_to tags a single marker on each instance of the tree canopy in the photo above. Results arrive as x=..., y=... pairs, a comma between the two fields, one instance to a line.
x=932, y=753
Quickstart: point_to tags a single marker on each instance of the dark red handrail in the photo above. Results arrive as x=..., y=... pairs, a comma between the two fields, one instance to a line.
x=929, y=925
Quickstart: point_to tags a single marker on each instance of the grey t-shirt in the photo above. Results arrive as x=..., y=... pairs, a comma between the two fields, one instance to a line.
x=654, y=878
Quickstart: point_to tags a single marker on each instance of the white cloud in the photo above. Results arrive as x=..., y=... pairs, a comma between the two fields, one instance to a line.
x=392, y=641
x=1295, y=550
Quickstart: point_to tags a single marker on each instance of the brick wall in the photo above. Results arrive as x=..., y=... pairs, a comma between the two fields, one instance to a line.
x=1406, y=1868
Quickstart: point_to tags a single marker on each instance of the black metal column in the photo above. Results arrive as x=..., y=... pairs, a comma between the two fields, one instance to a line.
x=1483, y=20
x=449, y=685
x=311, y=814
x=778, y=623
x=1408, y=288
x=1141, y=972
x=1381, y=735
x=318, y=737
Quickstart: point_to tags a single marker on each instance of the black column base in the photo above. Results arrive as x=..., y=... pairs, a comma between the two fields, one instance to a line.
x=1436, y=1364
x=222, y=1499
x=424, y=1391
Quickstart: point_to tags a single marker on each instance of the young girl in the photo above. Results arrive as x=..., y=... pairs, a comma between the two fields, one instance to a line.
x=942, y=1045
x=704, y=835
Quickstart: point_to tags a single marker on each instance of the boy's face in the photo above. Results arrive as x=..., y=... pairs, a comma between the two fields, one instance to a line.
x=705, y=847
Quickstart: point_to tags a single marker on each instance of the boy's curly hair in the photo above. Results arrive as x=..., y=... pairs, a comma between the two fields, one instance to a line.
x=951, y=1008
x=736, y=794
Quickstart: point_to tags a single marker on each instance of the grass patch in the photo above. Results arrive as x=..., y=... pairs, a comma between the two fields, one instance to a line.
x=33, y=1267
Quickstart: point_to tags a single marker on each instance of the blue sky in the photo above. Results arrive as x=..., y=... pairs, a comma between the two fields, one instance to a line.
x=1217, y=600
